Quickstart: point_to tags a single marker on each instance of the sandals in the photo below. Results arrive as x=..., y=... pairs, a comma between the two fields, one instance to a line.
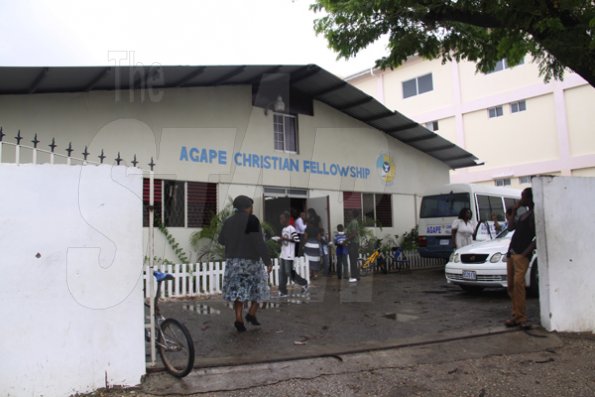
x=240, y=326
x=252, y=319
x=513, y=323
x=525, y=325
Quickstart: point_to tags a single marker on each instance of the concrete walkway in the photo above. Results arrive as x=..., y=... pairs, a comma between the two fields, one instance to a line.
x=241, y=377
x=383, y=320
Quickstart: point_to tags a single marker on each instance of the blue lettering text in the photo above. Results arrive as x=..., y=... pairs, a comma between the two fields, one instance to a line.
x=183, y=154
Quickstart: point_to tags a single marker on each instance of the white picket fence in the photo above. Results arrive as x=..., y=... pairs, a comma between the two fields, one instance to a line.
x=201, y=279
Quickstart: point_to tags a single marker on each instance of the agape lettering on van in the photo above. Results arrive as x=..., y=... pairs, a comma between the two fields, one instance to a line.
x=268, y=162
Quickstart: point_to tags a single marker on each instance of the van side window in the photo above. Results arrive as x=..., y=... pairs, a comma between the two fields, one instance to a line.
x=444, y=205
x=488, y=205
x=509, y=202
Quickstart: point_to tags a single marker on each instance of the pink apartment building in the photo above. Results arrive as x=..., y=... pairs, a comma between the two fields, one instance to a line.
x=517, y=125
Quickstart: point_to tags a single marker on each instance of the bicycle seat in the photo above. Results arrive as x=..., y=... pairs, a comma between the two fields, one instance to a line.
x=160, y=276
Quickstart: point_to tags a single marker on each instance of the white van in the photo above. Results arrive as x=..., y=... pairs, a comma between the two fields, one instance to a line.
x=441, y=206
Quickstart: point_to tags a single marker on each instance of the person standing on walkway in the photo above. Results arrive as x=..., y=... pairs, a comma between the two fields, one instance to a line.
x=462, y=229
x=300, y=227
x=520, y=251
x=312, y=246
x=246, y=255
x=324, y=253
x=353, y=247
x=289, y=239
x=341, y=252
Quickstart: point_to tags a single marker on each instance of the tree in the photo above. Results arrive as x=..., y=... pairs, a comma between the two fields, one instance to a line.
x=557, y=33
x=205, y=241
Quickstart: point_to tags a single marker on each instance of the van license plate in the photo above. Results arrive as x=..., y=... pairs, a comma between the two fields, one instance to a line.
x=444, y=242
x=469, y=275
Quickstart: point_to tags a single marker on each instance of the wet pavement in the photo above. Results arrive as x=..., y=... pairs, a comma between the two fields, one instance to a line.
x=336, y=317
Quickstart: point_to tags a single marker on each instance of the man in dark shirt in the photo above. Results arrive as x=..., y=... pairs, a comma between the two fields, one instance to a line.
x=521, y=248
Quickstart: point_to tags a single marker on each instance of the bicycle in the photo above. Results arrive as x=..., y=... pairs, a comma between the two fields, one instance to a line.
x=172, y=338
x=398, y=260
x=376, y=260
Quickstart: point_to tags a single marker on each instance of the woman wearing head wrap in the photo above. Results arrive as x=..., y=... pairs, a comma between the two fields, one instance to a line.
x=246, y=256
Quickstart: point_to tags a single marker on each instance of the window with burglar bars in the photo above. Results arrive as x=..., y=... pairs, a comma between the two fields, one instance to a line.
x=181, y=204
x=377, y=207
x=285, y=132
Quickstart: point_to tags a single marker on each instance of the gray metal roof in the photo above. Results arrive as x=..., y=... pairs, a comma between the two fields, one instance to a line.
x=309, y=80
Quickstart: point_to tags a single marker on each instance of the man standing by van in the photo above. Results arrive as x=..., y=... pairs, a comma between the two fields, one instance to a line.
x=520, y=250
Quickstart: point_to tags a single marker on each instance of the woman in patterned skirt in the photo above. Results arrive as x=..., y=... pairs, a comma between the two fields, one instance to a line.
x=246, y=254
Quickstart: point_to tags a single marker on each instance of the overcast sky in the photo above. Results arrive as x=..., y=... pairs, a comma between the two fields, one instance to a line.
x=176, y=32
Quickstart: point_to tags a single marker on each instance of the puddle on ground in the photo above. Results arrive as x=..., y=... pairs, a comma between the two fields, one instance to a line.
x=201, y=308
x=275, y=303
x=405, y=318
x=400, y=317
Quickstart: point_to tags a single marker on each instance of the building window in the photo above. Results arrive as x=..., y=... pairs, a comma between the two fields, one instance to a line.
x=503, y=64
x=368, y=206
x=174, y=203
x=157, y=200
x=502, y=182
x=352, y=206
x=180, y=204
x=285, y=132
x=500, y=65
x=525, y=180
x=519, y=106
x=496, y=111
x=417, y=86
x=384, y=210
x=202, y=203
x=431, y=125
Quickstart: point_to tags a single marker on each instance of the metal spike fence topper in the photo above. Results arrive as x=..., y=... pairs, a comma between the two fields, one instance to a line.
x=18, y=138
x=152, y=164
x=101, y=157
x=53, y=145
x=1, y=134
x=35, y=142
x=85, y=154
x=70, y=149
x=118, y=159
x=134, y=162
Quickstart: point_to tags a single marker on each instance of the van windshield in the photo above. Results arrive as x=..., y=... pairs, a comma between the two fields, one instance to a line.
x=443, y=205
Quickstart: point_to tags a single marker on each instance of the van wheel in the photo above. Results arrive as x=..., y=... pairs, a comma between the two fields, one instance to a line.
x=473, y=289
x=533, y=289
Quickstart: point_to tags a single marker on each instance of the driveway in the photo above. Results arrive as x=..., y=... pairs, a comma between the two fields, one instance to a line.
x=337, y=317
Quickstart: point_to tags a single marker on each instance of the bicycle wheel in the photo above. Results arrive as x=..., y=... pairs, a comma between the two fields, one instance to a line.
x=175, y=348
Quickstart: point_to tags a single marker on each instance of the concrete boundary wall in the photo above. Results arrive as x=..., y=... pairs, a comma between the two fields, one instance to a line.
x=71, y=266
x=564, y=216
